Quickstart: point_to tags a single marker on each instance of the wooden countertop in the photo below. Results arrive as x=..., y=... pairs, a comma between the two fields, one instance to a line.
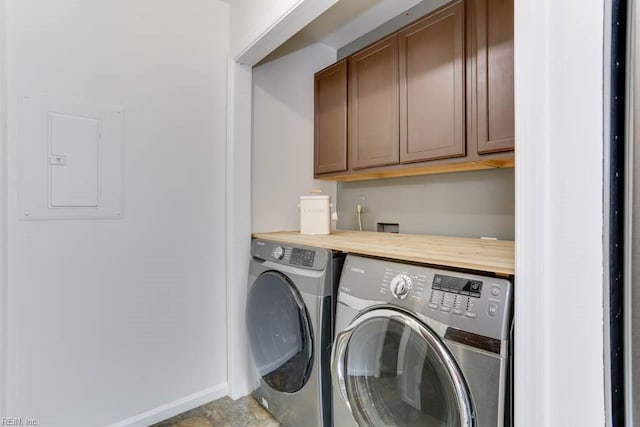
x=495, y=256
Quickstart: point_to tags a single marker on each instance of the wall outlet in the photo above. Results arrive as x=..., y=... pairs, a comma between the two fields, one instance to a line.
x=362, y=201
x=388, y=227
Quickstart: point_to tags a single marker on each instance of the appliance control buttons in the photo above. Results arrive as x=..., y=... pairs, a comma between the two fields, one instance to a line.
x=434, y=306
x=278, y=252
x=471, y=315
x=445, y=309
x=495, y=291
x=456, y=311
x=492, y=309
x=400, y=286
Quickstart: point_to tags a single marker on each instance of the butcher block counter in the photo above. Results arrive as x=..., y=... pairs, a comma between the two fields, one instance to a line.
x=493, y=256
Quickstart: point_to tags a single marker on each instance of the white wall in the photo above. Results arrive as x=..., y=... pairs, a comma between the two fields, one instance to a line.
x=559, y=213
x=113, y=319
x=3, y=214
x=282, y=145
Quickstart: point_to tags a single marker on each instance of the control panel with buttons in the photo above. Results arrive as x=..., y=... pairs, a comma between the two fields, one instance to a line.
x=457, y=285
x=471, y=300
x=296, y=256
x=465, y=301
x=447, y=294
x=302, y=257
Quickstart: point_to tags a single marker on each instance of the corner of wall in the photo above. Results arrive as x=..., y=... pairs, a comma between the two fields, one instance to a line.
x=174, y=408
x=238, y=219
x=255, y=47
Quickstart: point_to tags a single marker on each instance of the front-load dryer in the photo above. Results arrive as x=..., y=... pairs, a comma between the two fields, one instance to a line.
x=418, y=346
x=290, y=322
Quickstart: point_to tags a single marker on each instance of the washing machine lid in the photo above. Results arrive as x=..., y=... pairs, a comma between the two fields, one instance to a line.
x=391, y=369
x=280, y=333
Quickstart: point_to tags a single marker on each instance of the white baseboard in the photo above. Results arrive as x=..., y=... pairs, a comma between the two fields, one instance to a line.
x=176, y=407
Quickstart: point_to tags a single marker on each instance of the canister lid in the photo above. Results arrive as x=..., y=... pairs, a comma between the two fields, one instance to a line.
x=316, y=197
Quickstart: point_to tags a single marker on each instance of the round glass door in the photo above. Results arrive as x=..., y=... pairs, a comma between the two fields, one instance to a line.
x=280, y=335
x=396, y=372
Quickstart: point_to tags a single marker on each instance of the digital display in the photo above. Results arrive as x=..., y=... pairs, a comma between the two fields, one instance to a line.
x=302, y=257
x=457, y=285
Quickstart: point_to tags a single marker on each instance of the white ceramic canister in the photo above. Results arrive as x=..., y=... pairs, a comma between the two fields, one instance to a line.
x=315, y=214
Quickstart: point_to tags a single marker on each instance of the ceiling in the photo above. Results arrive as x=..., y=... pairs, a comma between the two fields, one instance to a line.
x=349, y=19
x=346, y=21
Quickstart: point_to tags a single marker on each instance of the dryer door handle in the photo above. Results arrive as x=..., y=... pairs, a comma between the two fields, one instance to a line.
x=337, y=363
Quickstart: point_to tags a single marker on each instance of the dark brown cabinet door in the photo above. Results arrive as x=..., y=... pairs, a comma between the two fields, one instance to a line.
x=492, y=92
x=330, y=139
x=432, y=86
x=373, y=105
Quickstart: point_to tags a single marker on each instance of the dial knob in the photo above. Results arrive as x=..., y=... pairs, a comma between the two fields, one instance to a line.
x=400, y=286
x=278, y=252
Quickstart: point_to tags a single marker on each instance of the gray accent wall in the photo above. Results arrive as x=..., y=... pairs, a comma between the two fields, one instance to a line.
x=465, y=204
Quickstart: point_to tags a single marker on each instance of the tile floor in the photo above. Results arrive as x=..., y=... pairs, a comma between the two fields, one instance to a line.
x=244, y=412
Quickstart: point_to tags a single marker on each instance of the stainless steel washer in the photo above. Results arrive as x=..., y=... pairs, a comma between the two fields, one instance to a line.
x=420, y=346
x=290, y=323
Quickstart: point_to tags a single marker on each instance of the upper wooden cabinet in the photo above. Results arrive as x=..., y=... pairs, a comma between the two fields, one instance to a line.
x=330, y=141
x=432, y=86
x=491, y=78
x=373, y=105
x=436, y=96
